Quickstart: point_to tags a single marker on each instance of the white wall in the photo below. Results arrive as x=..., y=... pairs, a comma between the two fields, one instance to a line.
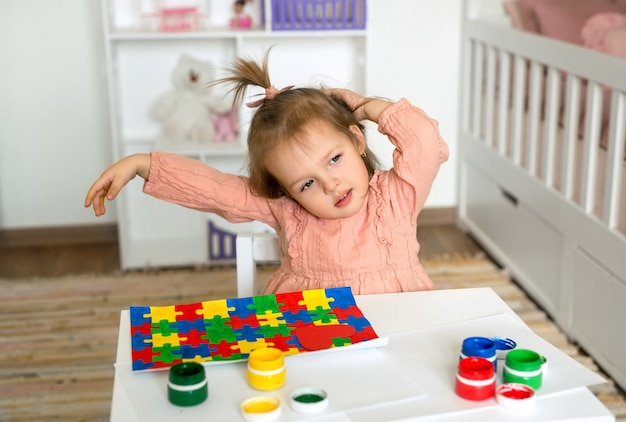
x=54, y=136
x=415, y=53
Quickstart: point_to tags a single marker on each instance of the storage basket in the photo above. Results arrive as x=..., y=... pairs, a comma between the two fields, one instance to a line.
x=288, y=15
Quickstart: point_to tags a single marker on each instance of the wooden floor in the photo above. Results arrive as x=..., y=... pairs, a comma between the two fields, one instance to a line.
x=36, y=258
x=25, y=257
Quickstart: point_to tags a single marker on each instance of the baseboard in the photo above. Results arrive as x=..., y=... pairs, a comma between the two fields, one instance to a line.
x=436, y=216
x=48, y=236
x=103, y=233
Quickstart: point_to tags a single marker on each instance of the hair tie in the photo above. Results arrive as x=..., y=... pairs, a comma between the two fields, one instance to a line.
x=270, y=94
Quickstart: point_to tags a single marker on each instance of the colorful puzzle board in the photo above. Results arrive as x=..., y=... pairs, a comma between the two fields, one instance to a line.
x=229, y=329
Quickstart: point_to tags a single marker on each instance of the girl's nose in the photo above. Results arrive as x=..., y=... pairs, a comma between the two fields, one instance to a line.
x=330, y=184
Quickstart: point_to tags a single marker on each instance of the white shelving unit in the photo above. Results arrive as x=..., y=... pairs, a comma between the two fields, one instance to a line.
x=139, y=64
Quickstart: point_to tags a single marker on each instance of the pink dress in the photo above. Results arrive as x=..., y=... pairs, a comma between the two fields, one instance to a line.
x=374, y=251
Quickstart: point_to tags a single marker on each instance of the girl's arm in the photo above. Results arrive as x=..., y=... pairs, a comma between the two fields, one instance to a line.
x=183, y=181
x=111, y=182
x=193, y=184
x=419, y=150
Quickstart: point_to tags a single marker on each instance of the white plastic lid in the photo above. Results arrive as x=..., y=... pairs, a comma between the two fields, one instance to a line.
x=503, y=346
x=261, y=409
x=515, y=396
x=309, y=400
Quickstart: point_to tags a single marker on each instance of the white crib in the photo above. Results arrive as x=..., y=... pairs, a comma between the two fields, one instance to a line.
x=542, y=179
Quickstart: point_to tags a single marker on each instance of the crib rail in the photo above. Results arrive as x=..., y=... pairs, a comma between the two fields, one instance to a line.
x=556, y=110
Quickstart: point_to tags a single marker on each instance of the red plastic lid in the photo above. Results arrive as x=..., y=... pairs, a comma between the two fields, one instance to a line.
x=516, y=396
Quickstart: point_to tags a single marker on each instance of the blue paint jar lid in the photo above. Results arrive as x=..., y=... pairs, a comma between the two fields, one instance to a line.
x=479, y=347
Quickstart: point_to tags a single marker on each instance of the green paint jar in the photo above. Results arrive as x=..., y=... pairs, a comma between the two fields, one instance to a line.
x=187, y=384
x=523, y=366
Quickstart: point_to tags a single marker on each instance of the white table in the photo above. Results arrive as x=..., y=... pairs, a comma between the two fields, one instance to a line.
x=418, y=365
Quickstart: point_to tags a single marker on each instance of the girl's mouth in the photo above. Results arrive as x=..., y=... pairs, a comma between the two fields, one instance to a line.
x=344, y=200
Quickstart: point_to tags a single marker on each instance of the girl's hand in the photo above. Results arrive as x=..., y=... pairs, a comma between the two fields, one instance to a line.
x=352, y=99
x=363, y=108
x=111, y=182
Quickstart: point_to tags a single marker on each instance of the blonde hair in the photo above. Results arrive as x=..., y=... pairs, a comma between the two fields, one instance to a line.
x=282, y=117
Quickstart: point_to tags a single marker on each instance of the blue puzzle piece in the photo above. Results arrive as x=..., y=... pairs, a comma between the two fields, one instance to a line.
x=185, y=326
x=138, y=315
x=241, y=306
x=294, y=343
x=202, y=350
x=358, y=323
x=249, y=333
x=138, y=341
x=139, y=365
x=342, y=296
x=302, y=316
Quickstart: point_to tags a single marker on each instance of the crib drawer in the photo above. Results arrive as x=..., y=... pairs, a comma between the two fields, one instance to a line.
x=599, y=314
x=517, y=237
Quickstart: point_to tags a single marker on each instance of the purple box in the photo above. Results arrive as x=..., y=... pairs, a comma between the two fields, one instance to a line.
x=298, y=15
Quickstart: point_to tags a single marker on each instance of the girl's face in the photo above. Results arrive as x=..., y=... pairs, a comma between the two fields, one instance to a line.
x=323, y=171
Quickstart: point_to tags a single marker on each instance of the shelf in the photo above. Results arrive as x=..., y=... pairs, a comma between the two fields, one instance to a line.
x=129, y=35
x=230, y=34
x=139, y=66
x=213, y=151
x=218, y=149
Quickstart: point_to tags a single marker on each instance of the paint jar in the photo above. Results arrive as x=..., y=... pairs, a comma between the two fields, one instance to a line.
x=266, y=369
x=481, y=347
x=523, y=366
x=187, y=384
x=475, y=379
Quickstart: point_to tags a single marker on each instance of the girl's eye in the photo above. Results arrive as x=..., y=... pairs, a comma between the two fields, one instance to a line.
x=335, y=159
x=307, y=185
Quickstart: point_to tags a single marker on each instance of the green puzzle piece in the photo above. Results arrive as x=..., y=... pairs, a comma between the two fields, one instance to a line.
x=272, y=331
x=264, y=304
x=217, y=330
x=165, y=353
x=323, y=315
x=164, y=327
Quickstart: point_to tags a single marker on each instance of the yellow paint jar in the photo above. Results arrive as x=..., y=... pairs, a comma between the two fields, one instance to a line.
x=266, y=369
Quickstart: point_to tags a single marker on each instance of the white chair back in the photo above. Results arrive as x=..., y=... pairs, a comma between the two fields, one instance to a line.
x=252, y=249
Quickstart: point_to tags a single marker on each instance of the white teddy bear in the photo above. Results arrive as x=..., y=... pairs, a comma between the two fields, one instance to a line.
x=187, y=112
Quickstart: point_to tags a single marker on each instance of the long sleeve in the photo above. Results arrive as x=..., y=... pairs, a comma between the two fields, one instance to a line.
x=419, y=152
x=190, y=183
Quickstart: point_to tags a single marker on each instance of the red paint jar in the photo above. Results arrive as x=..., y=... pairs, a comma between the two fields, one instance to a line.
x=475, y=379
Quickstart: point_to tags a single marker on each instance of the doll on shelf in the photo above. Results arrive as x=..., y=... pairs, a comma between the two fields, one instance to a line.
x=241, y=20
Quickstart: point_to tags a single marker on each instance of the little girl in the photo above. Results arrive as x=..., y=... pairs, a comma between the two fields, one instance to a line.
x=340, y=221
